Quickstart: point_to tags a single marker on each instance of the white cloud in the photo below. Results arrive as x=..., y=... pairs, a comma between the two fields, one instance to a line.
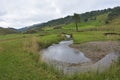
x=20, y=13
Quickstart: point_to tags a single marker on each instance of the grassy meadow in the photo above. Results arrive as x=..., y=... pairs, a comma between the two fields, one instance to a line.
x=20, y=53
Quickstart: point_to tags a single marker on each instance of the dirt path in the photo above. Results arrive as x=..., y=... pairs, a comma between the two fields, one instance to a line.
x=97, y=50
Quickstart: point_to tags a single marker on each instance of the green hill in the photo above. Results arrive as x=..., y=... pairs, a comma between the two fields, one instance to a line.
x=93, y=18
x=7, y=30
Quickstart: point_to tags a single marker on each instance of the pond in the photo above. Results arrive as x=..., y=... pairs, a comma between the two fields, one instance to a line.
x=71, y=60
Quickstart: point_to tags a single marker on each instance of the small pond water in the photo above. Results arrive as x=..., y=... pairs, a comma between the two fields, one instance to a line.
x=71, y=60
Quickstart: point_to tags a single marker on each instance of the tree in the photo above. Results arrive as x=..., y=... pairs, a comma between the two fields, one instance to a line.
x=76, y=18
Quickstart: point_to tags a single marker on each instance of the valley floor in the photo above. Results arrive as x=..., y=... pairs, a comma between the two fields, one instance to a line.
x=20, y=58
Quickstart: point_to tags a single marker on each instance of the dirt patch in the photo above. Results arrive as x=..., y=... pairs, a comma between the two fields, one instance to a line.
x=97, y=50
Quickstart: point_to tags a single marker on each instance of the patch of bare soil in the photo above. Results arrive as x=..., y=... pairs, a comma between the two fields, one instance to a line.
x=97, y=50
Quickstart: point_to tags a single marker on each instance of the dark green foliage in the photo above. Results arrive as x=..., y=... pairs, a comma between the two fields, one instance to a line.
x=114, y=13
x=92, y=15
x=59, y=21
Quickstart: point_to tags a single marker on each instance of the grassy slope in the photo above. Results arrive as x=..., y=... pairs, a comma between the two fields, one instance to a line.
x=19, y=58
x=19, y=61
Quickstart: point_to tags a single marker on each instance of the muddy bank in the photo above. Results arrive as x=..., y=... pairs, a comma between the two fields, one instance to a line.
x=97, y=50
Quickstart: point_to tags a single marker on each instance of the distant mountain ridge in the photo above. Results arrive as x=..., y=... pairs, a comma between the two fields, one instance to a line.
x=7, y=31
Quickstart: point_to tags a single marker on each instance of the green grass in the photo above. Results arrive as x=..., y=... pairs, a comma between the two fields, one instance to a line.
x=81, y=37
x=111, y=74
x=20, y=58
x=9, y=36
x=48, y=40
x=81, y=26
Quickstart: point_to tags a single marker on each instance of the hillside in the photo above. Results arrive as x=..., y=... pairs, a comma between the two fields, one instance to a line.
x=94, y=18
x=7, y=30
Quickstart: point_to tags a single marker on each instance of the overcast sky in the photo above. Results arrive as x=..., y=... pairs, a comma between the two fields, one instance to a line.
x=21, y=13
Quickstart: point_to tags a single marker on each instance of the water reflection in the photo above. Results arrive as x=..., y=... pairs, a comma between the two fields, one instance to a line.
x=63, y=53
x=71, y=60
